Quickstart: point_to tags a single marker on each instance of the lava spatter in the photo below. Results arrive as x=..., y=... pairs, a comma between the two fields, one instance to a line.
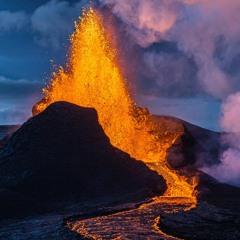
x=93, y=78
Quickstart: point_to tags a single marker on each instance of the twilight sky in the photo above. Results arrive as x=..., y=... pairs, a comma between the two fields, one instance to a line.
x=31, y=34
x=171, y=60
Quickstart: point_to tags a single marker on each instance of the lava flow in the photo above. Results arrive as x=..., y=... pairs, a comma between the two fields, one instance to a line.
x=93, y=78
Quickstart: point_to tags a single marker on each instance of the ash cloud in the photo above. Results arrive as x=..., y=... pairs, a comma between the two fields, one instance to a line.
x=200, y=56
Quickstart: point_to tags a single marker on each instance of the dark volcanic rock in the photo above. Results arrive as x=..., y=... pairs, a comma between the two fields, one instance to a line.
x=196, y=148
x=218, y=194
x=205, y=222
x=6, y=132
x=182, y=153
x=64, y=155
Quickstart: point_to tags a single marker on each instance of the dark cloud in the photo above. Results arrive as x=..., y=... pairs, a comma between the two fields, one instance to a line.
x=31, y=32
x=53, y=22
x=18, y=88
x=12, y=20
x=167, y=74
x=25, y=5
x=17, y=98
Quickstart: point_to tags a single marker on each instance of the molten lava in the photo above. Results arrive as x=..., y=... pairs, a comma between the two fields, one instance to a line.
x=93, y=78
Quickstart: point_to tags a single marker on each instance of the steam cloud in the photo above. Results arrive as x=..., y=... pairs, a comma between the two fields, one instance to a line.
x=179, y=35
x=204, y=31
x=229, y=168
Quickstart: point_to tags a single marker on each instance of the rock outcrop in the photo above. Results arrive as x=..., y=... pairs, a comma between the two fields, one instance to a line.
x=197, y=147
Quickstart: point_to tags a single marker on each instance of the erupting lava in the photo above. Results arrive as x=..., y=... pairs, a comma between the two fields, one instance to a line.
x=93, y=78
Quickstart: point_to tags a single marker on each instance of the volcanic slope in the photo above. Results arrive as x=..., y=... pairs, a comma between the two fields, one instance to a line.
x=62, y=158
x=174, y=217
x=63, y=155
x=6, y=131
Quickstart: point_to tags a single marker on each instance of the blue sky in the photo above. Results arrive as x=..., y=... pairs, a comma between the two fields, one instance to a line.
x=34, y=32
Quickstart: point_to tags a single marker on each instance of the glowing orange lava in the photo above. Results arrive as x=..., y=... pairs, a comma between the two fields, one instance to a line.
x=93, y=78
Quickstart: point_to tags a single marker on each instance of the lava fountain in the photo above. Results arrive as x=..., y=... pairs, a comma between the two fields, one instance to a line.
x=93, y=78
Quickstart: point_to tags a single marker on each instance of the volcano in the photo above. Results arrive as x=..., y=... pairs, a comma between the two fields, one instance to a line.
x=63, y=156
x=92, y=164
x=60, y=168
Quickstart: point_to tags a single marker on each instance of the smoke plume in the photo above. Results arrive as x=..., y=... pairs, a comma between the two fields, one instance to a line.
x=190, y=47
x=229, y=168
x=198, y=28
